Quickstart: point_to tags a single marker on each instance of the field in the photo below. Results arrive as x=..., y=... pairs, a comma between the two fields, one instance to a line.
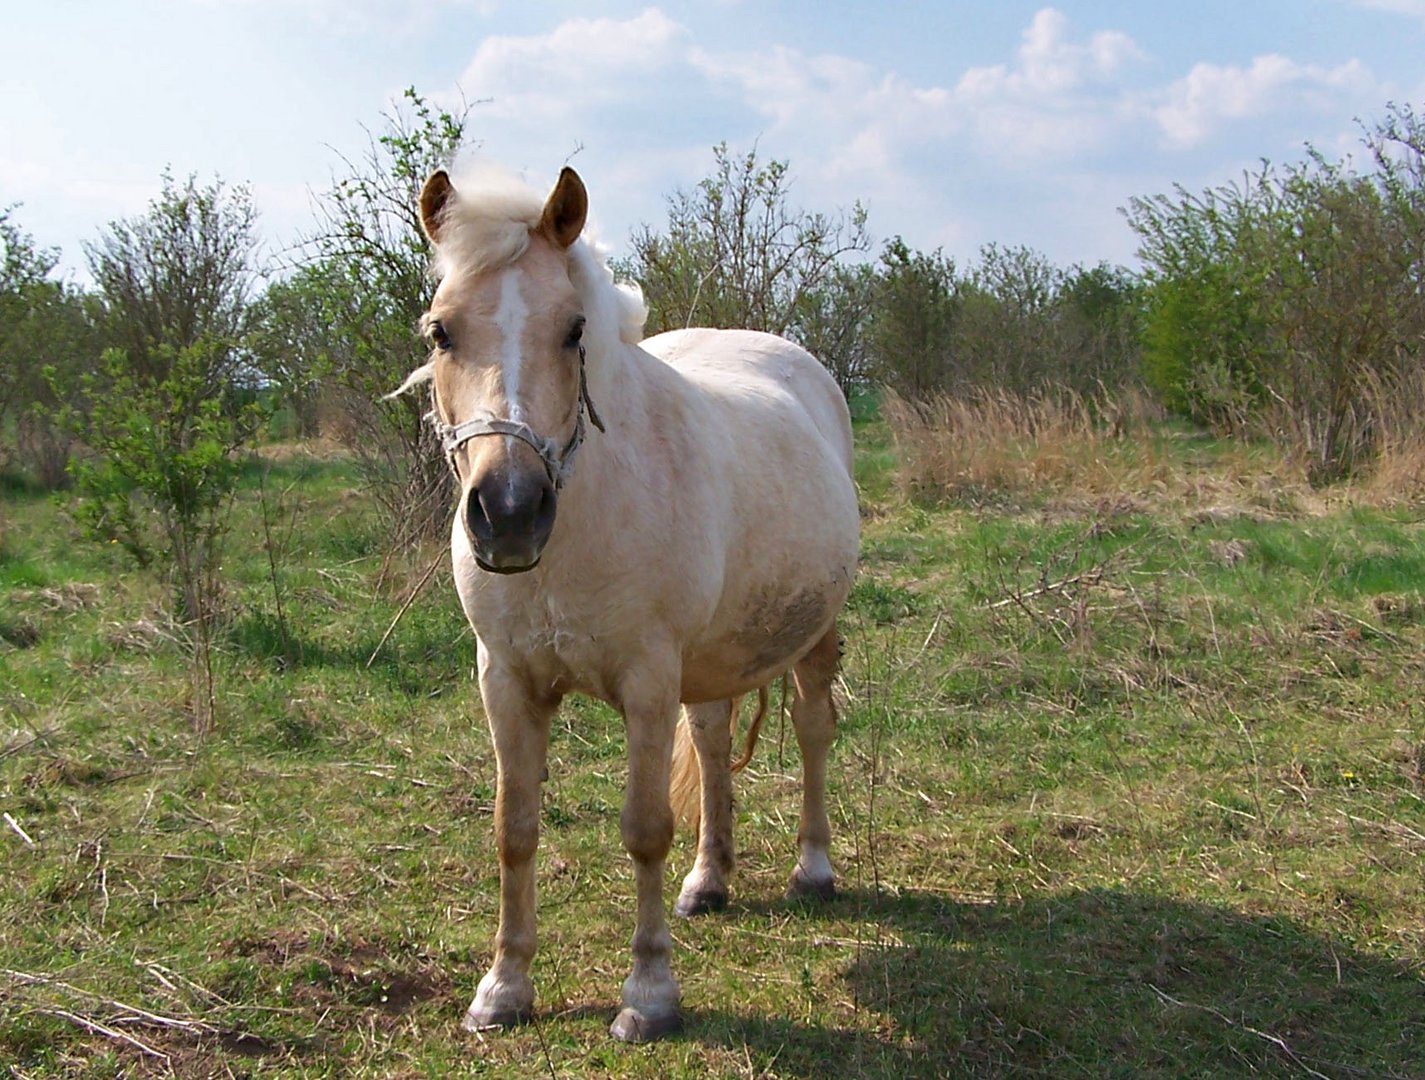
x=1129, y=783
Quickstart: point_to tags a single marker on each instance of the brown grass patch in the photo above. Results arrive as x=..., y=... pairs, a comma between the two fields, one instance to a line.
x=974, y=445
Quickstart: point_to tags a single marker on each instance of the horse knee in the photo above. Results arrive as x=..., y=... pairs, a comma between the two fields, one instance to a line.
x=517, y=837
x=647, y=830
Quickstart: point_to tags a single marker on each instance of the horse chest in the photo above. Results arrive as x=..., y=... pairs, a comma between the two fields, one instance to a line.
x=561, y=643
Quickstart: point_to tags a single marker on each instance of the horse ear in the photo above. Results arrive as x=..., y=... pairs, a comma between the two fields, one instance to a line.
x=568, y=206
x=438, y=191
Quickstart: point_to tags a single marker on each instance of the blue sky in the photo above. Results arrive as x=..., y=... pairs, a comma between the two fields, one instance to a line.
x=956, y=124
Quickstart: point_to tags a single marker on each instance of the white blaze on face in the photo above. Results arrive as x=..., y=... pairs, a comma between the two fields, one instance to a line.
x=510, y=318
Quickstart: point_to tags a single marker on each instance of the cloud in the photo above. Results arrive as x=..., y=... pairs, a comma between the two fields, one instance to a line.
x=577, y=66
x=1050, y=64
x=1210, y=96
x=1051, y=126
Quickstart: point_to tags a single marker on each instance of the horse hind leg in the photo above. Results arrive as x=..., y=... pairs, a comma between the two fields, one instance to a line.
x=709, y=728
x=814, y=718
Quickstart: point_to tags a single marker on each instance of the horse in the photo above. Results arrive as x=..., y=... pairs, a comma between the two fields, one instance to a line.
x=660, y=523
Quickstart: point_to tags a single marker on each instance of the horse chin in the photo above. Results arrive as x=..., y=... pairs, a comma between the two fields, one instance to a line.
x=507, y=567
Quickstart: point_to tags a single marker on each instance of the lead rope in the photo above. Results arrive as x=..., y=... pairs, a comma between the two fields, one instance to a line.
x=584, y=397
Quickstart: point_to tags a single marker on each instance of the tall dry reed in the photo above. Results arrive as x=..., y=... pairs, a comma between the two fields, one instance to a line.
x=987, y=443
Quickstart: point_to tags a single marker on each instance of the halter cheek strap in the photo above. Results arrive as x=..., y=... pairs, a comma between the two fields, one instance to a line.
x=558, y=463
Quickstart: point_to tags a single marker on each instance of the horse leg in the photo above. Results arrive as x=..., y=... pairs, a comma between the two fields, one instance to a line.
x=814, y=717
x=519, y=725
x=705, y=887
x=650, y=994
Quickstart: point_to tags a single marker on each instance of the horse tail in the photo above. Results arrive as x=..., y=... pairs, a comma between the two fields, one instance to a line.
x=685, y=785
x=749, y=744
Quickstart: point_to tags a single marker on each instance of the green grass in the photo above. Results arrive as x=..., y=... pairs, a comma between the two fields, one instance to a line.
x=1124, y=788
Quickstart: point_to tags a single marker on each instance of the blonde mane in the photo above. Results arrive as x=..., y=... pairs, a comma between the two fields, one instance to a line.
x=488, y=226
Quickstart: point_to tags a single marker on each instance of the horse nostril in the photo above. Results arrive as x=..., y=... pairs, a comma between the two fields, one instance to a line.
x=511, y=506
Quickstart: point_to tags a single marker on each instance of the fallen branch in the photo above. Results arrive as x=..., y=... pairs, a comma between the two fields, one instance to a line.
x=129, y=1014
x=1275, y=1040
x=425, y=578
x=94, y=1027
x=1088, y=577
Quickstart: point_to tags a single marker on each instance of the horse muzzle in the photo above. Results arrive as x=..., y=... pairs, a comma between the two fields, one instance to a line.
x=508, y=516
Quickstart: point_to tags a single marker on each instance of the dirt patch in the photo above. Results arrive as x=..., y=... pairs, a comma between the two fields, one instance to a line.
x=360, y=972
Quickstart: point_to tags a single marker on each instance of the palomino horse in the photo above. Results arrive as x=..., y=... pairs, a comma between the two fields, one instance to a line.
x=694, y=547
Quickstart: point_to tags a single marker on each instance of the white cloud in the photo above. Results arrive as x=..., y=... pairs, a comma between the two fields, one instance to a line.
x=944, y=163
x=579, y=64
x=1050, y=64
x=1210, y=95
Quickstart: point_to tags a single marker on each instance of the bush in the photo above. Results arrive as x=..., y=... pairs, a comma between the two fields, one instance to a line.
x=171, y=401
x=1013, y=323
x=1276, y=305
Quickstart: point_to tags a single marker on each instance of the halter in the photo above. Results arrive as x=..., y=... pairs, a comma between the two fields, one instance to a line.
x=559, y=464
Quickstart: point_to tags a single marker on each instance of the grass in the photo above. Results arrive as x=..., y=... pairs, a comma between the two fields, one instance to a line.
x=1129, y=784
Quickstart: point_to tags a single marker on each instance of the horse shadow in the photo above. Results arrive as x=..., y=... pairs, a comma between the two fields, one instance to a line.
x=1098, y=982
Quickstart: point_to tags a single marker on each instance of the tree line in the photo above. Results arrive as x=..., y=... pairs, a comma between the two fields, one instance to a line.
x=1288, y=306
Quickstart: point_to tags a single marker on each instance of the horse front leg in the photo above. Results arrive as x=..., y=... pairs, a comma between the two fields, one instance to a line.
x=651, y=998
x=519, y=725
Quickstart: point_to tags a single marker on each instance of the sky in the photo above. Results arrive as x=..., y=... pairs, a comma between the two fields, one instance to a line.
x=955, y=124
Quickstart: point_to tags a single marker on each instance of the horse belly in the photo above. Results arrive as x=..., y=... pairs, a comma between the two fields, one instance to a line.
x=769, y=623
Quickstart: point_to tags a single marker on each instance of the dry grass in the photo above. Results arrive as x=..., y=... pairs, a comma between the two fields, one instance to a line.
x=976, y=445
x=995, y=447
x=1399, y=411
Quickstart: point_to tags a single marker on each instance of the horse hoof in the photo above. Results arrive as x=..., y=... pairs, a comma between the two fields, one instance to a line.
x=633, y=1026
x=805, y=888
x=500, y=1002
x=699, y=903
x=490, y=1019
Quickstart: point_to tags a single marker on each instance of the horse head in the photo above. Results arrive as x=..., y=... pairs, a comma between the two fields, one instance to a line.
x=505, y=329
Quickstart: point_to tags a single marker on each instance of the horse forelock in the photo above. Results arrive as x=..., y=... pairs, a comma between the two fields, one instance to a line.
x=487, y=224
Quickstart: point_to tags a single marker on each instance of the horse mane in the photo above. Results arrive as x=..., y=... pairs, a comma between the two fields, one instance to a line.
x=487, y=226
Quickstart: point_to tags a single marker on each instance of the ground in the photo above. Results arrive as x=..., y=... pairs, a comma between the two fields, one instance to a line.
x=1129, y=783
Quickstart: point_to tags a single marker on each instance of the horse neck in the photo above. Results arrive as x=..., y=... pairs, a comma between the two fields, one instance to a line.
x=623, y=396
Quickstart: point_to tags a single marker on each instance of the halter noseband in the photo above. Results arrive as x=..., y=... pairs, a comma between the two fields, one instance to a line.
x=559, y=464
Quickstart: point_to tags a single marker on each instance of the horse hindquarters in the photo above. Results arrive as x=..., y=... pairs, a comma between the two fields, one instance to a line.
x=709, y=732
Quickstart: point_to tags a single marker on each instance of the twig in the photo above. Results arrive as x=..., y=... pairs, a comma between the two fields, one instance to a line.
x=1275, y=1040
x=1088, y=577
x=1393, y=827
x=131, y=1013
x=96, y=1028
x=15, y=748
x=18, y=831
x=272, y=567
x=430, y=572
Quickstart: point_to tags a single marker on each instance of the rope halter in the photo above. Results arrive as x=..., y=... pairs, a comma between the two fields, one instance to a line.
x=558, y=463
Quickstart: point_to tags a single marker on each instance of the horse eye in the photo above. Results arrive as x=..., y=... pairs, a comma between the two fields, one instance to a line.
x=576, y=332
x=439, y=338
